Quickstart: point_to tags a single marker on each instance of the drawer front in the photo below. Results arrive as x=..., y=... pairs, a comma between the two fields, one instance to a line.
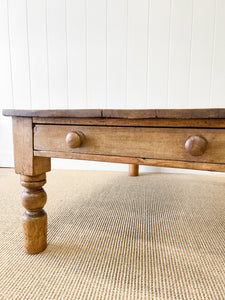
x=155, y=143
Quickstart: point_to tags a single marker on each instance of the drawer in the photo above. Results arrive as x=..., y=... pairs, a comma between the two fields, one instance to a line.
x=184, y=144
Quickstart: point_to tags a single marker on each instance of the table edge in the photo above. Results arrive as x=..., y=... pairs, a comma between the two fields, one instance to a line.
x=208, y=113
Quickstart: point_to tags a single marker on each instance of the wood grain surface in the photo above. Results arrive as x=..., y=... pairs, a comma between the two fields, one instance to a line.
x=133, y=170
x=135, y=160
x=25, y=162
x=205, y=123
x=164, y=113
x=52, y=113
x=212, y=113
x=155, y=143
x=34, y=219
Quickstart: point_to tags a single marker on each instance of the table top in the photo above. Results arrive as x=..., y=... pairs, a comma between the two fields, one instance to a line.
x=209, y=113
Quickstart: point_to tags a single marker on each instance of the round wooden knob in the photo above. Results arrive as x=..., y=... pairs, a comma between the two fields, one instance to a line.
x=74, y=139
x=196, y=145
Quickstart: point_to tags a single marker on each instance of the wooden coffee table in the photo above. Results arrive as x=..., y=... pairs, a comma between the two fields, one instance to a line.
x=189, y=139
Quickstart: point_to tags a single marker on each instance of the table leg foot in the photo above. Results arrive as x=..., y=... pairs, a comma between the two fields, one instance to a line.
x=133, y=170
x=35, y=218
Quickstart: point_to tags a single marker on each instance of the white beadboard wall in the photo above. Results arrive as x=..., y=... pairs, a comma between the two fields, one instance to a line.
x=109, y=54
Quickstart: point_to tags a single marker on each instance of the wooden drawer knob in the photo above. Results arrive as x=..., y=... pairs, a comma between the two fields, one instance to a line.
x=196, y=145
x=74, y=139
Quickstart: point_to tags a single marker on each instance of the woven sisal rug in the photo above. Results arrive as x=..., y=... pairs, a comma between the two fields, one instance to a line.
x=156, y=236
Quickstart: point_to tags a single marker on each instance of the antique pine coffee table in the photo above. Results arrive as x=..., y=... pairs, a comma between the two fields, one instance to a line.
x=189, y=139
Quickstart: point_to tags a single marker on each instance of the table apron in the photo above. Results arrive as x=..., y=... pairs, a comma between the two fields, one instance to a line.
x=132, y=142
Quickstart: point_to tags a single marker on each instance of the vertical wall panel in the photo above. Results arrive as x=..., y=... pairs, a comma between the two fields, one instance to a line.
x=116, y=53
x=96, y=53
x=137, y=51
x=159, y=35
x=37, y=42
x=76, y=39
x=218, y=68
x=19, y=53
x=57, y=53
x=179, y=53
x=201, y=52
x=6, y=94
x=109, y=53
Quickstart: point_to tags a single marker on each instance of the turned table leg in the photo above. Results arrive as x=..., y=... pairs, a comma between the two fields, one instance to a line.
x=35, y=218
x=133, y=170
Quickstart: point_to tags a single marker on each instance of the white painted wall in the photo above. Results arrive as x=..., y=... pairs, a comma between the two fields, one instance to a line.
x=109, y=54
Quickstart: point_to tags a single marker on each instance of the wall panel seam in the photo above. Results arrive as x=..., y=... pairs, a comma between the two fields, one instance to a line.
x=10, y=54
x=126, y=60
x=67, y=66
x=86, y=54
x=47, y=52
x=190, y=55
x=147, y=70
x=213, y=55
x=169, y=53
x=106, y=55
x=28, y=54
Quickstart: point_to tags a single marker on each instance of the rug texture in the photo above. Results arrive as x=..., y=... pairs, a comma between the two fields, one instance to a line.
x=110, y=236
